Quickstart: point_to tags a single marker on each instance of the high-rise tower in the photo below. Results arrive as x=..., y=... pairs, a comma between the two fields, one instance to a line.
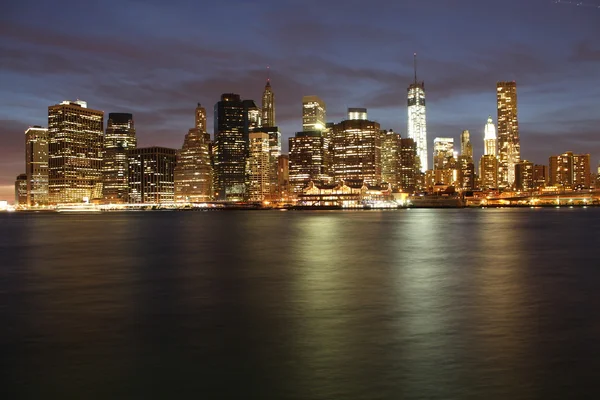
x=313, y=114
x=119, y=137
x=417, y=126
x=466, y=148
x=268, y=105
x=509, y=146
x=36, y=165
x=490, y=140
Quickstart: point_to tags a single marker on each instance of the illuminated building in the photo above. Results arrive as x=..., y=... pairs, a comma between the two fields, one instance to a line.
x=357, y=149
x=572, y=171
x=232, y=122
x=268, y=106
x=390, y=158
x=466, y=148
x=313, y=113
x=193, y=171
x=305, y=159
x=509, y=146
x=436, y=177
x=443, y=152
x=75, y=152
x=488, y=172
x=524, y=176
x=283, y=176
x=409, y=166
x=119, y=137
x=259, y=170
x=21, y=190
x=465, y=172
x=36, y=165
x=540, y=176
x=328, y=149
x=151, y=175
x=252, y=117
x=417, y=121
x=274, y=153
x=490, y=141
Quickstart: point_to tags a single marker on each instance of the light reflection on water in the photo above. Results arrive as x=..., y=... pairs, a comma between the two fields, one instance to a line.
x=302, y=305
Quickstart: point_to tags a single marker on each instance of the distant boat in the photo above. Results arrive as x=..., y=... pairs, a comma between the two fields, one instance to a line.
x=78, y=207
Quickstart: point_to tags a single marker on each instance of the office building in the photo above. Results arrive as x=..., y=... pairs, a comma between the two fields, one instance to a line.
x=466, y=148
x=524, y=176
x=410, y=167
x=75, y=152
x=274, y=153
x=571, y=171
x=540, y=176
x=259, y=169
x=490, y=141
x=509, y=145
x=488, y=172
x=193, y=175
x=21, y=190
x=390, y=158
x=357, y=149
x=231, y=146
x=465, y=172
x=313, y=114
x=36, y=166
x=443, y=153
x=417, y=121
x=283, y=177
x=151, y=175
x=305, y=160
x=119, y=137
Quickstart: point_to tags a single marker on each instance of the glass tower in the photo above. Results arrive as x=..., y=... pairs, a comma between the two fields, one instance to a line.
x=509, y=145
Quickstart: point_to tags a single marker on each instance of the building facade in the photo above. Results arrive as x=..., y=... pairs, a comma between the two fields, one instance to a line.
x=268, y=106
x=443, y=153
x=466, y=147
x=151, y=175
x=119, y=137
x=75, y=152
x=488, y=172
x=390, y=158
x=571, y=171
x=313, y=114
x=490, y=141
x=410, y=167
x=305, y=160
x=259, y=167
x=524, y=176
x=509, y=145
x=417, y=120
x=21, y=190
x=36, y=166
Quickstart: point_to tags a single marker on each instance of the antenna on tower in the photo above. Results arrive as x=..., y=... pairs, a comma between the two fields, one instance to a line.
x=415, y=62
x=268, y=73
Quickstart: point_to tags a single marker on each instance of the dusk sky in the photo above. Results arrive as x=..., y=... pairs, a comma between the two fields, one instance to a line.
x=157, y=59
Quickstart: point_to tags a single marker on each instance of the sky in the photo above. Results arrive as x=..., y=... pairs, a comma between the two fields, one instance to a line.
x=158, y=59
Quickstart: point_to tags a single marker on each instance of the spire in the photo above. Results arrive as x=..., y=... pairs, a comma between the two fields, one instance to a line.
x=415, y=63
x=268, y=76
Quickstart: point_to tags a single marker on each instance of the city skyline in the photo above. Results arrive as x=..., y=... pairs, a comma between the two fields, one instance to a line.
x=557, y=103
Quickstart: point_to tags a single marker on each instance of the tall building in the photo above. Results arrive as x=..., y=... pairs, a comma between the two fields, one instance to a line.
x=417, y=121
x=313, y=114
x=572, y=171
x=488, y=172
x=490, y=141
x=274, y=153
x=268, y=106
x=75, y=152
x=390, y=158
x=466, y=148
x=36, y=165
x=410, y=168
x=119, y=137
x=443, y=152
x=283, y=176
x=259, y=170
x=151, y=175
x=524, y=176
x=21, y=190
x=305, y=159
x=230, y=147
x=509, y=145
x=465, y=172
x=540, y=176
x=193, y=171
x=357, y=149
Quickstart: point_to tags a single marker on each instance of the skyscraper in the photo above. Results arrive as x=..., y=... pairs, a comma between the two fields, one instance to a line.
x=305, y=159
x=313, y=114
x=488, y=172
x=524, y=176
x=75, y=152
x=36, y=165
x=259, y=187
x=443, y=152
x=21, y=190
x=409, y=167
x=268, y=106
x=274, y=153
x=466, y=148
x=357, y=148
x=417, y=121
x=572, y=171
x=390, y=158
x=151, y=178
x=509, y=145
x=119, y=137
x=490, y=140
x=230, y=147
x=283, y=176
x=193, y=170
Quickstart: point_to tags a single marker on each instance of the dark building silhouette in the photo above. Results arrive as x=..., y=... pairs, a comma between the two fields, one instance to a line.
x=151, y=175
x=36, y=165
x=119, y=137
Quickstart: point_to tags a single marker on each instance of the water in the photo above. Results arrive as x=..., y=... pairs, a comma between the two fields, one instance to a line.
x=412, y=304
